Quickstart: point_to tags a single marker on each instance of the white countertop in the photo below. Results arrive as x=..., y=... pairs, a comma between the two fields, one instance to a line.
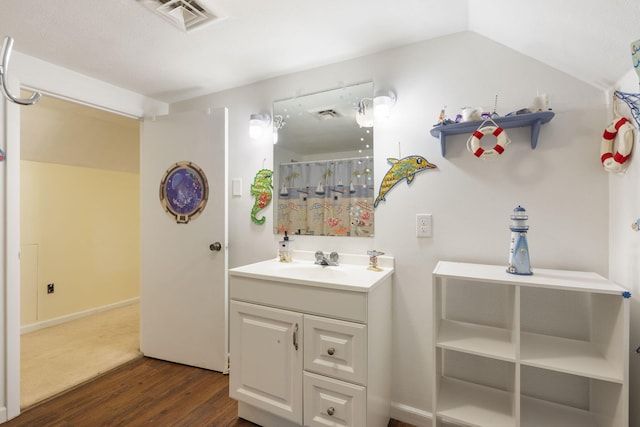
x=352, y=273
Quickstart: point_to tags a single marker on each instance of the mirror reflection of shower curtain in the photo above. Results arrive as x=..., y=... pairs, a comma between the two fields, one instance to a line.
x=329, y=198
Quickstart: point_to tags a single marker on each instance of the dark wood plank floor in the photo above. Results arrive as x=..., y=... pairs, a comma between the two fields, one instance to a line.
x=143, y=392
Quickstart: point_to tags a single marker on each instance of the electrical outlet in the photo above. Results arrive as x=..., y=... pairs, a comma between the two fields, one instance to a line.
x=51, y=288
x=424, y=225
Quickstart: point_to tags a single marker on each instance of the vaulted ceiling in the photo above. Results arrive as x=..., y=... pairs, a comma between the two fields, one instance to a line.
x=122, y=42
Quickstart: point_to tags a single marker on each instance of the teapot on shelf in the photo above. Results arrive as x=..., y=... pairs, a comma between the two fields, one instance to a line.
x=471, y=114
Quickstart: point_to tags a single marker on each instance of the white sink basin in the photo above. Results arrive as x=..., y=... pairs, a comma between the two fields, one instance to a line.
x=352, y=275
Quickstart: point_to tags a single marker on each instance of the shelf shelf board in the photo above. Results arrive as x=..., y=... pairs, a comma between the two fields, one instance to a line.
x=541, y=278
x=536, y=413
x=568, y=356
x=521, y=120
x=474, y=405
x=476, y=339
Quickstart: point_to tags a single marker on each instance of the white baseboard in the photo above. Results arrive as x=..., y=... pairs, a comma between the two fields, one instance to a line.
x=67, y=318
x=411, y=415
x=3, y=414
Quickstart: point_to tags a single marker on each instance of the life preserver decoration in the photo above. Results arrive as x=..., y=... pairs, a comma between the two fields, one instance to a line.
x=502, y=140
x=620, y=130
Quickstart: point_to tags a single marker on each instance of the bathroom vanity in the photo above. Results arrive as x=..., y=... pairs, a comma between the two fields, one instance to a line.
x=309, y=344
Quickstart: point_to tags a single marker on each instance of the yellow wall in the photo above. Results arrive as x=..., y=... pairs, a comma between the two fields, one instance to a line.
x=79, y=230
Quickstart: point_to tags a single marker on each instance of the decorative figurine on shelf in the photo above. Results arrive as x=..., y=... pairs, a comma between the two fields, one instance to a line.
x=442, y=118
x=519, y=262
x=540, y=103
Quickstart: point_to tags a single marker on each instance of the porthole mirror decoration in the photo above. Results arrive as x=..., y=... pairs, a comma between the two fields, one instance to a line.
x=184, y=191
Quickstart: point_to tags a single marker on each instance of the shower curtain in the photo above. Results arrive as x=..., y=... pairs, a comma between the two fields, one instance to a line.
x=326, y=198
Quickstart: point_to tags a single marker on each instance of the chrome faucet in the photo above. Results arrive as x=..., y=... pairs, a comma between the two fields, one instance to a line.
x=321, y=259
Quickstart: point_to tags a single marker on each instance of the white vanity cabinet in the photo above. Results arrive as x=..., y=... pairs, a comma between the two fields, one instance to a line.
x=549, y=349
x=312, y=349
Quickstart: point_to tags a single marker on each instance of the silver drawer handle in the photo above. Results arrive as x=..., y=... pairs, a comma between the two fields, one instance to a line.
x=330, y=411
x=331, y=351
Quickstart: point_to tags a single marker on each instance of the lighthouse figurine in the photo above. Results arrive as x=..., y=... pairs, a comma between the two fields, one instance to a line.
x=519, y=252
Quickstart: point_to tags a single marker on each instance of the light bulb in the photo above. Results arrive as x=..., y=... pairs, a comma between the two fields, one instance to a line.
x=255, y=130
x=382, y=103
x=257, y=124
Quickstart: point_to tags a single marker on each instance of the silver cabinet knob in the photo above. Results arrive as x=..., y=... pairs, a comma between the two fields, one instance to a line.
x=215, y=247
x=331, y=351
x=330, y=411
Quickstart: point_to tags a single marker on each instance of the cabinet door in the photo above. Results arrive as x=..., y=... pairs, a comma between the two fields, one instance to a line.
x=266, y=359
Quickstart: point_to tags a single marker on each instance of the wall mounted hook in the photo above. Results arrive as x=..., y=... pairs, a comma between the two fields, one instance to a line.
x=7, y=46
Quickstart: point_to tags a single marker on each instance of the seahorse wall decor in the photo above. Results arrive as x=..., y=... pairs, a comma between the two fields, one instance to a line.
x=405, y=168
x=261, y=190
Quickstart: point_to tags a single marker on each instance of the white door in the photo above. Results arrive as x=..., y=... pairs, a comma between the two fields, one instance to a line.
x=266, y=364
x=183, y=308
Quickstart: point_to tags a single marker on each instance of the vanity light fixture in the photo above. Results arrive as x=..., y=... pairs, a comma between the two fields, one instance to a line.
x=383, y=102
x=364, y=114
x=257, y=124
x=278, y=123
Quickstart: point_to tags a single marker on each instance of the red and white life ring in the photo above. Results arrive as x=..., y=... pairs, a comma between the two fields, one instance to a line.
x=502, y=140
x=624, y=132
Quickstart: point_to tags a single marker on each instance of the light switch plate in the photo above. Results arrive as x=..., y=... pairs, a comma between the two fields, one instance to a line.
x=236, y=187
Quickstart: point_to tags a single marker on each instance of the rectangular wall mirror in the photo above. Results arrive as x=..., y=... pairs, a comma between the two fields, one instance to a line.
x=323, y=163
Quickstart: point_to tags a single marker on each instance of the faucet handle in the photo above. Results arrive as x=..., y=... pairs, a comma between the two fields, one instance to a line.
x=333, y=257
x=319, y=255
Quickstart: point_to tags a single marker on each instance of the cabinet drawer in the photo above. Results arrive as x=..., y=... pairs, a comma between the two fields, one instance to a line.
x=329, y=402
x=335, y=348
x=340, y=304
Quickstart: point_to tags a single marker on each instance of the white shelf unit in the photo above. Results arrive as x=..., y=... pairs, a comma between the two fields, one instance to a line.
x=550, y=349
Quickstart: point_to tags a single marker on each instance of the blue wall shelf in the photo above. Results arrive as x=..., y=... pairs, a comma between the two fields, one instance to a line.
x=516, y=121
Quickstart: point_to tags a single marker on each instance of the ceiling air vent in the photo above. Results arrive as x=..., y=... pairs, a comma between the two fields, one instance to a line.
x=326, y=114
x=184, y=14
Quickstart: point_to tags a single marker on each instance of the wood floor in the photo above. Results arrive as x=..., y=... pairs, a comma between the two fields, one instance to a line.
x=143, y=392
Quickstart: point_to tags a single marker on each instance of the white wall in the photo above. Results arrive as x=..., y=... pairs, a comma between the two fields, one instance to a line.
x=561, y=183
x=624, y=255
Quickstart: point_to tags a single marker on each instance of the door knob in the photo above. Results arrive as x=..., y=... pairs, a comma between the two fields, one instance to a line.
x=215, y=247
